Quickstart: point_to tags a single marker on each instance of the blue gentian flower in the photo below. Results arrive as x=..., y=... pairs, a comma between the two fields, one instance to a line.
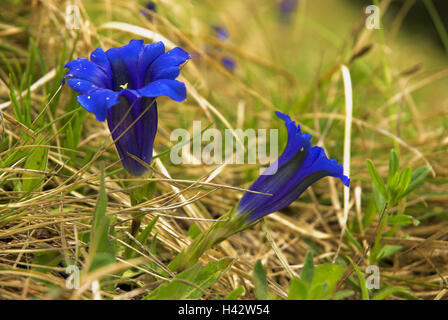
x=221, y=32
x=151, y=6
x=299, y=166
x=228, y=63
x=121, y=85
x=288, y=6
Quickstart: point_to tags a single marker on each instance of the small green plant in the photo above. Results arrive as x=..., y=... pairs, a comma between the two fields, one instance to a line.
x=315, y=282
x=389, y=194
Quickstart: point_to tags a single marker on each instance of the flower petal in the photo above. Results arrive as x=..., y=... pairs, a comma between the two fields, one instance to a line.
x=169, y=60
x=130, y=55
x=119, y=70
x=82, y=86
x=86, y=70
x=150, y=53
x=133, y=131
x=99, y=57
x=228, y=63
x=221, y=32
x=98, y=102
x=172, y=88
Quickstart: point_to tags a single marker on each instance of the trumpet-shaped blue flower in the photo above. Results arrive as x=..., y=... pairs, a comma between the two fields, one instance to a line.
x=221, y=32
x=228, y=63
x=151, y=6
x=299, y=166
x=288, y=6
x=121, y=85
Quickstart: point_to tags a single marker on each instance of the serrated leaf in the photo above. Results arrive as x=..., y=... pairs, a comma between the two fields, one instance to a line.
x=260, y=281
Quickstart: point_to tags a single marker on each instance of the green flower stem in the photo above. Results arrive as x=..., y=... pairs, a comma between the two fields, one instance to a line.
x=140, y=195
x=226, y=226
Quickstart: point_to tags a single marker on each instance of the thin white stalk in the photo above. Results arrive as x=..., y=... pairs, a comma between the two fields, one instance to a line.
x=347, y=147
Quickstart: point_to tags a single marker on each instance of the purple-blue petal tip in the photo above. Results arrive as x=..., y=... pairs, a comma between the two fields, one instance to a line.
x=299, y=166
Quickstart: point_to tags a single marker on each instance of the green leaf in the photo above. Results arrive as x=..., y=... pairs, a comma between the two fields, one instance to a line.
x=48, y=259
x=307, y=273
x=193, y=231
x=298, y=289
x=208, y=276
x=352, y=239
x=417, y=179
x=324, y=280
x=260, y=281
x=342, y=294
x=235, y=294
x=37, y=160
x=177, y=287
x=143, y=193
x=393, y=184
x=388, y=250
x=402, y=220
x=102, y=251
x=403, y=183
x=362, y=281
x=383, y=294
x=101, y=259
x=142, y=238
x=380, y=201
x=326, y=277
x=379, y=183
x=393, y=166
x=16, y=107
x=370, y=213
x=191, y=283
x=318, y=291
